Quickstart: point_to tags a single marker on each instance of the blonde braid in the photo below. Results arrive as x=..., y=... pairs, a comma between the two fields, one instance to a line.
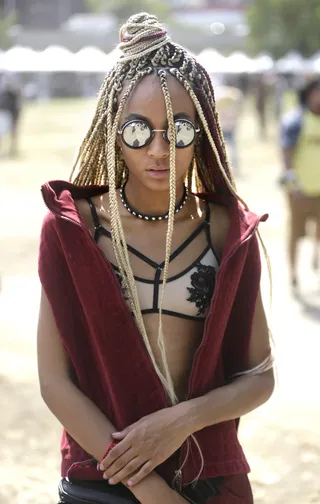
x=172, y=181
x=120, y=245
x=141, y=35
x=230, y=183
x=97, y=115
x=147, y=48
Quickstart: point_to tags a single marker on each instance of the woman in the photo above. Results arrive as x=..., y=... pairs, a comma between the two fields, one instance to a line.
x=300, y=147
x=152, y=338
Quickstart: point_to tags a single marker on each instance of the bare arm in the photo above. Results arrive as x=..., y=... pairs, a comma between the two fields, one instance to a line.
x=78, y=414
x=158, y=435
x=289, y=179
x=244, y=394
x=287, y=156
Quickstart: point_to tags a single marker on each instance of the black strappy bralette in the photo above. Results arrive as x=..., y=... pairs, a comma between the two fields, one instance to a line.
x=187, y=294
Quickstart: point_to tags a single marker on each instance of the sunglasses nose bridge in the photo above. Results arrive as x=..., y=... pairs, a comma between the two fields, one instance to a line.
x=163, y=132
x=158, y=146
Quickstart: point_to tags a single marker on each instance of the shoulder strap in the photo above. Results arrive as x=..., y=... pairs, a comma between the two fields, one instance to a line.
x=95, y=218
x=207, y=224
x=94, y=214
x=207, y=219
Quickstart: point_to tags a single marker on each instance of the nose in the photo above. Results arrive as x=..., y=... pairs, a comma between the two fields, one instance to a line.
x=158, y=147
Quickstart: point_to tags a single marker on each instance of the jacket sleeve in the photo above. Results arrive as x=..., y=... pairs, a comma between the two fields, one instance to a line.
x=235, y=347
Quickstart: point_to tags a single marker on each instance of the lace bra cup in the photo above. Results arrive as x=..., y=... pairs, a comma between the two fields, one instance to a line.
x=188, y=293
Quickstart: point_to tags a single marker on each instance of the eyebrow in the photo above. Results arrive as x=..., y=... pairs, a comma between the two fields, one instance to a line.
x=178, y=115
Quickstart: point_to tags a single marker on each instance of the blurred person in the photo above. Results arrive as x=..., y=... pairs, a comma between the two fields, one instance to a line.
x=5, y=123
x=152, y=343
x=300, y=141
x=31, y=90
x=280, y=86
x=261, y=102
x=229, y=104
x=10, y=104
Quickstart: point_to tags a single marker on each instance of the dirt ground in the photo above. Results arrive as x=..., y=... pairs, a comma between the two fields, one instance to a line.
x=281, y=439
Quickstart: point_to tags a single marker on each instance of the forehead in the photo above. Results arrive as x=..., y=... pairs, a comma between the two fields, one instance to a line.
x=147, y=99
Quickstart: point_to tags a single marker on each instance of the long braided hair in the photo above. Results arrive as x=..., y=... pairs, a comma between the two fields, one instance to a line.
x=147, y=49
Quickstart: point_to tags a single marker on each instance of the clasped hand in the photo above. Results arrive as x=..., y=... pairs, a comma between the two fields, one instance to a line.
x=144, y=445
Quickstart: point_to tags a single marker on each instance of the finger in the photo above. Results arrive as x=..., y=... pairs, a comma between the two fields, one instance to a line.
x=120, y=435
x=119, y=464
x=146, y=469
x=115, y=453
x=127, y=471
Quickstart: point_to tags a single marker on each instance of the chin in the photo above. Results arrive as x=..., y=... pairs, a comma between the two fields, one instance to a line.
x=157, y=185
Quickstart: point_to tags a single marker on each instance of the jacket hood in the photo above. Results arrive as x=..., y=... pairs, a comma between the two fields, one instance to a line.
x=59, y=197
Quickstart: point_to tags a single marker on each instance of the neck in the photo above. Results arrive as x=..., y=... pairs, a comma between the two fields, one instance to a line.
x=148, y=201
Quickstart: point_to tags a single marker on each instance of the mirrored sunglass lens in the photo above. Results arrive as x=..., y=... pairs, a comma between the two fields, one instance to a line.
x=136, y=134
x=184, y=133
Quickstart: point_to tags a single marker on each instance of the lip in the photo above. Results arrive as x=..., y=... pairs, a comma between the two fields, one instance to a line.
x=157, y=168
x=158, y=172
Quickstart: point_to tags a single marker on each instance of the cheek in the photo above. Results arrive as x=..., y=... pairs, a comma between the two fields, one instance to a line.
x=133, y=157
x=184, y=158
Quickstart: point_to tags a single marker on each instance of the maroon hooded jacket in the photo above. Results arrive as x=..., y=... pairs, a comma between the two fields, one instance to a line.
x=107, y=352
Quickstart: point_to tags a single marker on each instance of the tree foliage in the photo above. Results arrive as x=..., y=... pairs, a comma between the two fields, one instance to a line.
x=6, y=25
x=125, y=8
x=278, y=26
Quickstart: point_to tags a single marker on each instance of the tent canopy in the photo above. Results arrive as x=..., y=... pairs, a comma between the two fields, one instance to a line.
x=56, y=59
x=262, y=63
x=90, y=59
x=293, y=62
x=211, y=60
x=238, y=62
x=19, y=59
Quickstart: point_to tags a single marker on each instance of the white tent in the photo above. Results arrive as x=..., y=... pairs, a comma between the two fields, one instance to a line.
x=293, y=63
x=262, y=63
x=315, y=66
x=113, y=57
x=20, y=59
x=238, y=62
x=56, y=59
x=91, y=60
x=211, y=60
x=314, y=63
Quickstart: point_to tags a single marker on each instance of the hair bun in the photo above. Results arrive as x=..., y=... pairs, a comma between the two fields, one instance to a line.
x=142, y=34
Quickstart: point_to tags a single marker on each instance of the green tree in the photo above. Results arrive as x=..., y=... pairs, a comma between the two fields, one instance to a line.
x=279, y=26
x=125, y=8
x=6, y=25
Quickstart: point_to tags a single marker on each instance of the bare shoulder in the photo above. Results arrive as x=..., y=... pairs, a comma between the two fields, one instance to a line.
x=100, y=204
x=219, y=226
x=85, y=212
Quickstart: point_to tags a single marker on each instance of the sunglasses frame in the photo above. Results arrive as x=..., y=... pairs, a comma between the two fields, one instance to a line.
x=153, y=131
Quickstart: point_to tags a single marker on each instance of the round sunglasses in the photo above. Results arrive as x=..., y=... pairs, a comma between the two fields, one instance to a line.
x=137, y=133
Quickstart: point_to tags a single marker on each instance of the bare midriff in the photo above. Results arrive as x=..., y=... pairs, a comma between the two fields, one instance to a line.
x=181, y=337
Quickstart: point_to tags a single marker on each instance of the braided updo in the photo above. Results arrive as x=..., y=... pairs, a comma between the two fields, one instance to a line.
x=141, y=35
x=147, y=49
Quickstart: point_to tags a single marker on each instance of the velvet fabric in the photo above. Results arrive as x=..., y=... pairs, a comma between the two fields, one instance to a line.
x=106, y=350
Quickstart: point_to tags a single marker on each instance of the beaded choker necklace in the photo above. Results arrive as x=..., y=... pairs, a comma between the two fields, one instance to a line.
x=140, y=215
